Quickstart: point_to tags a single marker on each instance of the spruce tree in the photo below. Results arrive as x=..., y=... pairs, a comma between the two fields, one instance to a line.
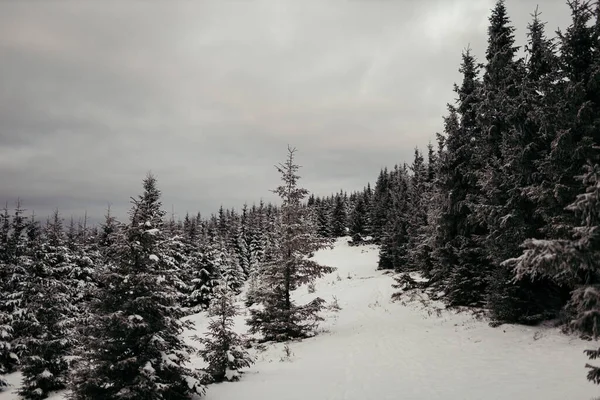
x=574, y=262
x=518, y=216
x=134, y=349
x=8, y=357
x=338, y=217
x=462, y=268
x=380, y=203
x=229, y=268
x=323, y=220
x=418, y=197
x=280, y=318
x=393, y=253
x=358, y=221
x=199, y=266
x=49, y=314
x=223, y=347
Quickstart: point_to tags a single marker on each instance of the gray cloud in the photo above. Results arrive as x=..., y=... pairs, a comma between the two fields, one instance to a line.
x=208, y=94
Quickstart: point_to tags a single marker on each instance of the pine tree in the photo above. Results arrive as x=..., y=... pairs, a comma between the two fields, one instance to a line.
x=422, y=244
x=323, y=218
x=569, y=260
x=280, y=318
x=228, y=266
x=223, y=347
x=380, y=203
x=517, y=217
x=358, y=221
x=200, y=265
x=462, y=267
x=575, y=114
x=393, y=252
x=256, y=247
x=338, y=218
x=49, y=312
x=134, y=349
x=418, y=196
x=8, y=358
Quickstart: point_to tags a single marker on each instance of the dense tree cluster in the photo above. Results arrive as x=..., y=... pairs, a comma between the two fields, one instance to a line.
x=504, y=213
x=99, y=310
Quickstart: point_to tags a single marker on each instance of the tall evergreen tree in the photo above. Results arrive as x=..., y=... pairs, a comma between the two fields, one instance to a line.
x=569, y=260
x=358, y=221
x=393, y=253
x=461, y=266
x=379, y=205
x=280, y=318
x=516, y=217
x=418, y=198
x=338, y=217
x=134, y=349
x=49, y=312
x=201, y=267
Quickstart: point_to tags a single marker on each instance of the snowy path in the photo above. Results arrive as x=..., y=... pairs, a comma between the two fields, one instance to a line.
x=375, y=349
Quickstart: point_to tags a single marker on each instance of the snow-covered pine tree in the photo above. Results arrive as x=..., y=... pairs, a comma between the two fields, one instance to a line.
x=205, y=272
x=22, y=245
x=48, y=316
x=461, y=269
x=229, y=268
x=223, y=347
x=248, y=239
x=421, y=246
x=393, y=250
x=358, y=221
x=569, y=260
x=176, y=259
x=519, y=216
x=418, y=197
x=338, y=217
x=8, y=358
x=323, y=219
x=280, y=318
x=134, y=349
x=257, y=248
x=380, y=203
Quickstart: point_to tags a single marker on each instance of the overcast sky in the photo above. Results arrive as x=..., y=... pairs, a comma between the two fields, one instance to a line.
x=208, y=94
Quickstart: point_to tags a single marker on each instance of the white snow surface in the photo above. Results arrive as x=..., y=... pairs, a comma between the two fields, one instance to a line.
x=374, y=348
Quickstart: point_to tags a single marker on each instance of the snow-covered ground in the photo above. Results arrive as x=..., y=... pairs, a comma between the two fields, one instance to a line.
x=375, y=349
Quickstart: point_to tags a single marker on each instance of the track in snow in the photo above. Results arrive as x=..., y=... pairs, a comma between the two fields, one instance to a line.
x=376, y=349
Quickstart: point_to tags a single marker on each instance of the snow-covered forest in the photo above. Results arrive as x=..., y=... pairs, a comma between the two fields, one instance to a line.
x=495, y=228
